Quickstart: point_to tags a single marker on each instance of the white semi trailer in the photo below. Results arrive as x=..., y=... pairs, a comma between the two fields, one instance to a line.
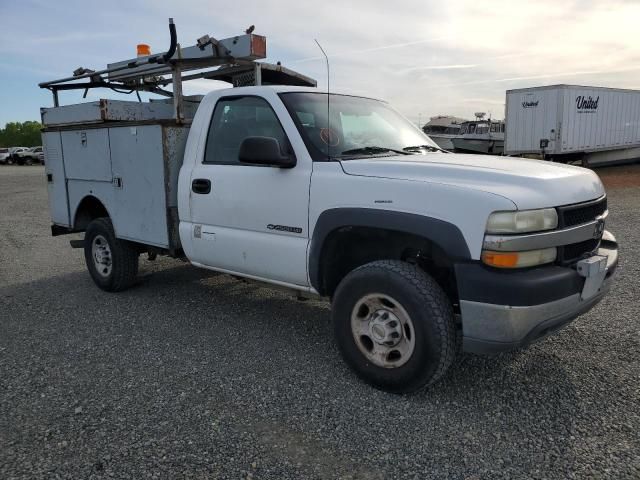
x=565, y=123
x=422, y=252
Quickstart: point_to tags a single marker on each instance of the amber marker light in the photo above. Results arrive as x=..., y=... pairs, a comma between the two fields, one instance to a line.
x=500, y=259
x=529, y=258
x=143, y=49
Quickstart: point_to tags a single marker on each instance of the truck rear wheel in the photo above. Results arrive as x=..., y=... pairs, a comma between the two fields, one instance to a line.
x=394, y=326
x=112, y=263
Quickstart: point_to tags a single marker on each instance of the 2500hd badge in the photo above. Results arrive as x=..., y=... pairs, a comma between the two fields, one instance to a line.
x=284, y=228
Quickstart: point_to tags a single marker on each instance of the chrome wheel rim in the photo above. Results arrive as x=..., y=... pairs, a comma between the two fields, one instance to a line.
x=101, y=254
x=383, y=330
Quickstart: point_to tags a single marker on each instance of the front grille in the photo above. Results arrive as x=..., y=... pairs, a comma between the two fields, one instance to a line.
x=581, y=213
x=569, y=254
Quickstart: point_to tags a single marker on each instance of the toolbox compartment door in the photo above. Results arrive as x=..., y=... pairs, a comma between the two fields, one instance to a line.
x=56, y=179
x=139, y=184
x=86, y=154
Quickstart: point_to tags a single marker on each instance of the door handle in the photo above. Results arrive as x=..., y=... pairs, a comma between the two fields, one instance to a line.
x=201, y=185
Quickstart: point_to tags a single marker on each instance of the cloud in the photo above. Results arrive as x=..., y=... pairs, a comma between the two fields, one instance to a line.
x=367, y=50
x=13, y=68
x=437, y=67
x=425, y=56
x=68, y=37
x=550, y=75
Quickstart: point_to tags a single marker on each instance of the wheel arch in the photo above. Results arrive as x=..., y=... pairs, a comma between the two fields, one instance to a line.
x=376, y=225
x=88, y=209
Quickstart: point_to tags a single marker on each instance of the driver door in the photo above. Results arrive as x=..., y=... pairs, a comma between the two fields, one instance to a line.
x=250, y=219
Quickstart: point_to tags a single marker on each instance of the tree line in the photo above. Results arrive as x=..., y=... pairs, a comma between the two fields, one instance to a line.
x=21, y=134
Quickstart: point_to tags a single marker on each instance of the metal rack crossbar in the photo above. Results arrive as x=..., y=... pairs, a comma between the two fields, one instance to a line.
x=234, y=59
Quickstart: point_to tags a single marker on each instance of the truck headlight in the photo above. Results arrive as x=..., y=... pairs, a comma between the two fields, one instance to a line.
x=529, y=258
x=522, y=221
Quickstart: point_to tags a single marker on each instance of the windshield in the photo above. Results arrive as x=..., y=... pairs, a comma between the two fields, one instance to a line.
x=357, y=127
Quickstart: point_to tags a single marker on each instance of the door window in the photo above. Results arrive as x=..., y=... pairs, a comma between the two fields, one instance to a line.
x=236, y=118
x=482, y=128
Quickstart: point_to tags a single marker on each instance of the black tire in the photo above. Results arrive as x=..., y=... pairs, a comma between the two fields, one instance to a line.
x=123, y=257
x=435, y=346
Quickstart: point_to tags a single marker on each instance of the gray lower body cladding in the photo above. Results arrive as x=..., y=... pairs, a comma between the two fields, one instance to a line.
x=504, y=311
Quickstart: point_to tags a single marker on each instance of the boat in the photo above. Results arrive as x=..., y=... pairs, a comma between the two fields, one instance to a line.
x=442, y=128
x=480, y=136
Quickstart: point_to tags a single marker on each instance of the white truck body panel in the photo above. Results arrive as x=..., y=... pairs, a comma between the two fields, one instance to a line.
x=131, y=169
x=570, y=121
x=466, y=208
x=107, y=110
x=54, y=169
x=87, y=155
x=528, y=184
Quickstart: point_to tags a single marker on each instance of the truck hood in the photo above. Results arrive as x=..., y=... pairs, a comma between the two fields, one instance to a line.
x=527, y=183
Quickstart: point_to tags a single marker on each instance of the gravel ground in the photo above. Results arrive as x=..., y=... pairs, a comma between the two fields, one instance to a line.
x=196, y=375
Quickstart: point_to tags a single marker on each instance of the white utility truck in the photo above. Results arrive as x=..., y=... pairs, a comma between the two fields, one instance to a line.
x=421, y=252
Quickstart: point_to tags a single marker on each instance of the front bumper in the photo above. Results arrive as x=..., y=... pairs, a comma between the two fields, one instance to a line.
x=503, y=311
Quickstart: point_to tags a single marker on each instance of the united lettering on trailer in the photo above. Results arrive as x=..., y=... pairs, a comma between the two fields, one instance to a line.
x=587, y=104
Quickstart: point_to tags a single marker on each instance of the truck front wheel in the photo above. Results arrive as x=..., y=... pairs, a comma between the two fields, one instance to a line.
x=112, y=263
x=394, y=326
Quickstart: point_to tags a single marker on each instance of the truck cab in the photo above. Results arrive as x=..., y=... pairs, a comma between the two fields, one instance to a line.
x=344, y=202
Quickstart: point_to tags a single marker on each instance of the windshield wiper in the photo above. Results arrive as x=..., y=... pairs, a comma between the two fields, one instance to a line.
x=372, y=150
x=430, y=148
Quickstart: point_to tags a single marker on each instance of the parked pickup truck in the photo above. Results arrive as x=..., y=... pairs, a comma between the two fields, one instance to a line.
x=29, y=156
x=14, y=154
x=421, y=252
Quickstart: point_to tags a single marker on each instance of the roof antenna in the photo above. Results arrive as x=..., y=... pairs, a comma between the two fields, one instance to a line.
x=328, y=141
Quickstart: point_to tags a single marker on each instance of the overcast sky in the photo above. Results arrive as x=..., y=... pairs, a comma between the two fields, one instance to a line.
x=426, y=57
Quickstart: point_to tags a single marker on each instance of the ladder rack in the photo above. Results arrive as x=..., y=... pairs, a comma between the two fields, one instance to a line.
x=234, y=60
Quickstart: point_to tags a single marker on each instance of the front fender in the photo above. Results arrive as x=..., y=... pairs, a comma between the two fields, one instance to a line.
x=445, y=235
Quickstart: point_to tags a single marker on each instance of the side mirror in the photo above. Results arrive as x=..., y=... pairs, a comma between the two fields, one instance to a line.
x=264, y=151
